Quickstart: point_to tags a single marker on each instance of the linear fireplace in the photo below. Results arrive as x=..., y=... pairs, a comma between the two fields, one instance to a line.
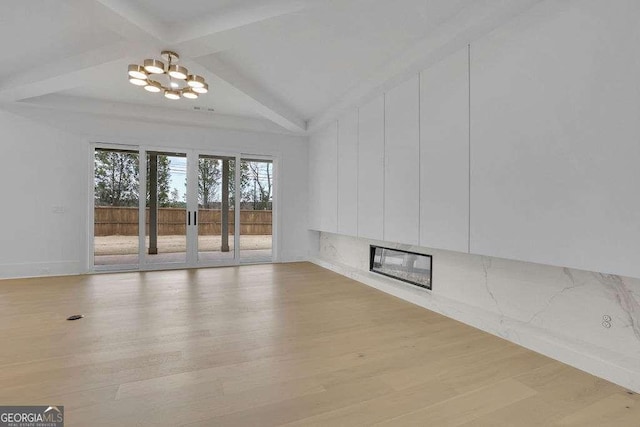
x=410, y=267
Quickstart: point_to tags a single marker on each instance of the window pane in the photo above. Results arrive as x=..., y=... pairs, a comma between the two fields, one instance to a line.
x=116, y=198
x=256, y=214
x=216, y=213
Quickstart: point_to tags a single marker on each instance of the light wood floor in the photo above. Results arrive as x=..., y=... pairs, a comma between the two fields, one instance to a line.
x=265, y=345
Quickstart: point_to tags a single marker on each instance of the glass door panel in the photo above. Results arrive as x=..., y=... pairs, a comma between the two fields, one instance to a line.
x=166, y=208
x=216, y=209
x=116, y=200
x=256, y=214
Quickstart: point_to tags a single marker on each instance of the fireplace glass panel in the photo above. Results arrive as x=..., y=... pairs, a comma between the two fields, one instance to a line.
x=407, y=266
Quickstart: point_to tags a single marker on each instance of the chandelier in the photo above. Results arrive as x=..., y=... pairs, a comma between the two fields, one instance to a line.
x=173, y=80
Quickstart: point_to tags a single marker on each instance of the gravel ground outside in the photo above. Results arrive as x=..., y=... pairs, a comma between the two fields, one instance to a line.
x=128, y=245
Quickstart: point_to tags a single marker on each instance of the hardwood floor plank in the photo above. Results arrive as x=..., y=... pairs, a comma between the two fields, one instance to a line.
x=386, y=407
x=294, y=409
x=466, y=407
x=616, y=410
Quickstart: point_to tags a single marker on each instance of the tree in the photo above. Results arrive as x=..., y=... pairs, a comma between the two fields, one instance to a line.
x=116, y=178
x=174, y=199
x=164, y=177
x=209, y=179
x=262, y=184
x=245, y=194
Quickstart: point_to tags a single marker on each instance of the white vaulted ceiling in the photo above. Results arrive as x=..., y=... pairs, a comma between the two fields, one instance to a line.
x=290, y=62
x=328, y=50
x=178, y=12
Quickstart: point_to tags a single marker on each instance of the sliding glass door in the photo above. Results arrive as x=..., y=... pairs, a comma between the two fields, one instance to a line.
x=216, y=209
x=116, y=183
x=166, y=217
x=256, y=210
x=186, y=208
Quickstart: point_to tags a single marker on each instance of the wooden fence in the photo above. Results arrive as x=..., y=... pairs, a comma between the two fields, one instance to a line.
x=123, y=221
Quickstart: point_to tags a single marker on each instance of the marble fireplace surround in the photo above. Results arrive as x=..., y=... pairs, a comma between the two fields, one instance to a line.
x=552, y=310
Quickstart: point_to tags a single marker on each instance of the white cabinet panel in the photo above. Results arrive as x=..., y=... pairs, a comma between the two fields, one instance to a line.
x=444, y=154
x=402, y=163
x=314, y=183
x=348, y=174
x=554, y=137
x=323, y=179
x=371, y=169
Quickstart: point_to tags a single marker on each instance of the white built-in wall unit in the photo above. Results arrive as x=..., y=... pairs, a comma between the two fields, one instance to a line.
x=370, y=166
x=48, y=227
x=401, y=213
x=348, y=174
x=323, y=207
x=514, y=162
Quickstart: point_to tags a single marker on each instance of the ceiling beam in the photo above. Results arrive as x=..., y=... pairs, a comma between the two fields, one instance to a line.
x=266, y=104
x=140, y=113
x=66, y=73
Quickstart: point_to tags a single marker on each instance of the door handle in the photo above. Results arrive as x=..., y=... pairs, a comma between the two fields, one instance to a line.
x=188, y=217
x=195, y=217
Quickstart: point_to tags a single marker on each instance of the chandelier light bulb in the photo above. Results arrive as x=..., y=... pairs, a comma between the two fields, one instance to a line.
x=137, y=72
x=189, y=94
x=172, y=94
x=178, y=72
x=195, y=81
x=154, y=66
x=201, y=90
x=138, y=82
x=153, y=87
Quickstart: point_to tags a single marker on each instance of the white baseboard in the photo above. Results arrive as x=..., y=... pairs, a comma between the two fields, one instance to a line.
x=41, y=269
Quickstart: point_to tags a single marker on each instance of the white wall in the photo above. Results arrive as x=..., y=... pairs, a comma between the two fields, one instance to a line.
x=44, y=199
x=41, y=152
